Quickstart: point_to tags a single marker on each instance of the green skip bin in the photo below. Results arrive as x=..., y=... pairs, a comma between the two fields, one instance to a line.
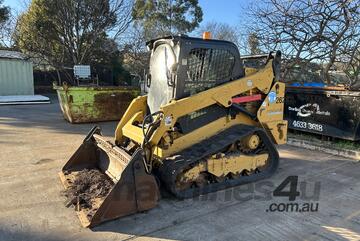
x=81, y=104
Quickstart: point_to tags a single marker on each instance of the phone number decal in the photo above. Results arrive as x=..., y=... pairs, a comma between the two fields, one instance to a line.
x=307, y=125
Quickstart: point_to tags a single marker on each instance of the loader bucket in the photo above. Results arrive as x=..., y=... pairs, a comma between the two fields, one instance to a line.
x=125, y=188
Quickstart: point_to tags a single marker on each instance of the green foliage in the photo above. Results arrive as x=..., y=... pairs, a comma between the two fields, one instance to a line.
x=254, y=43
x=135, y=54
x=334, y=143
x=165, y=17
x=120, y=75
x=4, y=12
x=5, y=26
x=69, y=32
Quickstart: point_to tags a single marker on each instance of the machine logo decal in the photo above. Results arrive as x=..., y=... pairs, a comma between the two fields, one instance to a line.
x=272, y=97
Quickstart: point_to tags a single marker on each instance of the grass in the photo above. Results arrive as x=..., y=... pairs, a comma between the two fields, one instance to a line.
x=326, y=141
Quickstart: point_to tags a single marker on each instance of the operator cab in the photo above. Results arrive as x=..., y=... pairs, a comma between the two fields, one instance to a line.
x=181, y=66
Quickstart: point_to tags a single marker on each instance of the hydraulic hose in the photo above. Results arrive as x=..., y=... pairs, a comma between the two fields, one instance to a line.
x=146, y=146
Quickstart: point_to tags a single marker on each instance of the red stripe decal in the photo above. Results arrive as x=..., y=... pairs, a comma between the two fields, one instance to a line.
x=244, y=99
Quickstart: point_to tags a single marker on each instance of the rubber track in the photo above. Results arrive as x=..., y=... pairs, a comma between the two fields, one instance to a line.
x=191, y=156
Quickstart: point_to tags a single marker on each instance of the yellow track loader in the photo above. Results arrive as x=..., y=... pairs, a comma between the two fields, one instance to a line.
x=206, y=123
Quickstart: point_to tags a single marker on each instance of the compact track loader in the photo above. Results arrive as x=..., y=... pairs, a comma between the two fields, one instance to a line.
x=207, y=123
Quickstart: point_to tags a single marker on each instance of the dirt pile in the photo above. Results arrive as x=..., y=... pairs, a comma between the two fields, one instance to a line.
x=87, y=186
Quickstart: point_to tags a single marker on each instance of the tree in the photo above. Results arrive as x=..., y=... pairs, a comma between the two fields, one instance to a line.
x=4, y=12
x=166, y=17
x=253, y=43
x=135, y=54
x=4, y=23
x=69, y=32
x=222, y=31
x=352, y=59
x=311, y=30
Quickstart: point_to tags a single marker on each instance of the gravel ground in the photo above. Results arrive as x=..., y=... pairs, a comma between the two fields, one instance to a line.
x=36, y=141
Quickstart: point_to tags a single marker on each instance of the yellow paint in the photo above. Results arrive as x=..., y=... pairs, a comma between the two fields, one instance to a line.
x=270, y=115
x=133, y=131
x=138, y=104
x=220, y=167
x=202, y=133
x=249, y=71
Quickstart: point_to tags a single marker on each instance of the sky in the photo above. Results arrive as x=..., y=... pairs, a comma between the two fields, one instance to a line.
x=225, y=11
x=16, y=5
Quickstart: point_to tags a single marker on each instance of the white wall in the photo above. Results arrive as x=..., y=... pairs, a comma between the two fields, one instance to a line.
x=16, y=77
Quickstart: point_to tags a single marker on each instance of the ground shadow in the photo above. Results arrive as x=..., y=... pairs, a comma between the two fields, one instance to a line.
x=173, y=217
x=176, y=219
x=46, y=116
x=19, y=235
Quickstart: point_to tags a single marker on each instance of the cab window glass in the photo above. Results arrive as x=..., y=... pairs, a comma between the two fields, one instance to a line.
x=207, y=68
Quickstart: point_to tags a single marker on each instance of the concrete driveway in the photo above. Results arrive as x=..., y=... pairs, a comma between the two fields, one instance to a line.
x=35, y=142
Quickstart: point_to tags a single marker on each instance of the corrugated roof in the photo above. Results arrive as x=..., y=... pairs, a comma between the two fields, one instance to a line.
x=11, y=54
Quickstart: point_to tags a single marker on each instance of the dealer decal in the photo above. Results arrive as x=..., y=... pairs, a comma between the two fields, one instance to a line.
x=307, y=125
x=308, y=110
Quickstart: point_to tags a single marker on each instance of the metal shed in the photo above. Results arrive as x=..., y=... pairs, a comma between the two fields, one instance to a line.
x=16, y=74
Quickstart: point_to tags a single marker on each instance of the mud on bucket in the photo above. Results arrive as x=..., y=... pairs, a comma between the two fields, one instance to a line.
x=104, y=182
